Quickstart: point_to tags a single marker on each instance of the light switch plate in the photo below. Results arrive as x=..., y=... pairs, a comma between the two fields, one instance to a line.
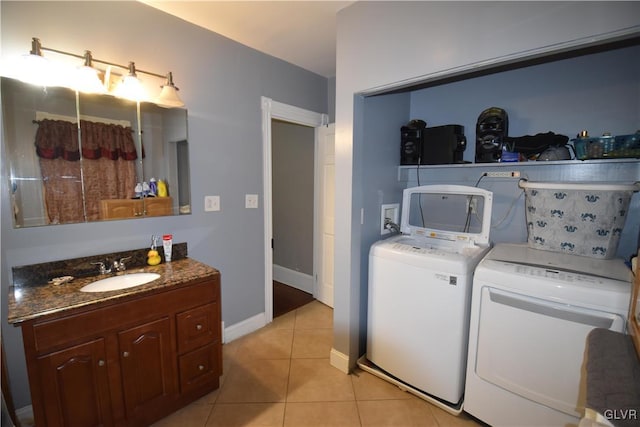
x=211, y=203
x=251, y=201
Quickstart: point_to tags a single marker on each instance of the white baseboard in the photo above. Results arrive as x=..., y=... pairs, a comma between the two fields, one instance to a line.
x=293, y=278
x=245, y=327
x=339, y=360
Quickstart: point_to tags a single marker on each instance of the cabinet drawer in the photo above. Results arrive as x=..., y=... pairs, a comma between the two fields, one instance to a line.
x=197, y=327
x=199, y=367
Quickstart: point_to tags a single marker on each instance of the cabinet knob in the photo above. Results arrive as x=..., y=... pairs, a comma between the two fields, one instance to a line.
x=201, y=367
x=125, y=354
x=101, y=362
x=199, y=327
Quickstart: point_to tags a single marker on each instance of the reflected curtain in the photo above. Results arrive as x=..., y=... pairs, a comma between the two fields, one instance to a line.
x=106, y=163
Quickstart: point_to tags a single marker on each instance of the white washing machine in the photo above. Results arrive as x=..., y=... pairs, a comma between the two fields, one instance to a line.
x=531, y=312
x=420, y=292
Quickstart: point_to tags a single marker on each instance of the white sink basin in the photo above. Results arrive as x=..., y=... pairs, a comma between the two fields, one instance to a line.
x=125, y=281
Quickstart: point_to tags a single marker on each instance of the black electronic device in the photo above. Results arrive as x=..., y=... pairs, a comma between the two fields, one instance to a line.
x=443, y=145
x=421, y=145
x=492, y=128
x=411, y=142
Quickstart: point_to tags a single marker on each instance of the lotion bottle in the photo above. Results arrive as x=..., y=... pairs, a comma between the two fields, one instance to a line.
x=167, y=243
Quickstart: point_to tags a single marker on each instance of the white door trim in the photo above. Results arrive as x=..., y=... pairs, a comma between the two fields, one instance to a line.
x=275, y=110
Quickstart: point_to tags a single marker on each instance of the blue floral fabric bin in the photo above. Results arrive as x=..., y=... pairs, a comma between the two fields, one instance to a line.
x=583, y=219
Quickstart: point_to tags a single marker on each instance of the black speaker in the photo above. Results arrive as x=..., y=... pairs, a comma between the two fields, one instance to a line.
x=443, y=145
x=492, y=128
x=411, y=137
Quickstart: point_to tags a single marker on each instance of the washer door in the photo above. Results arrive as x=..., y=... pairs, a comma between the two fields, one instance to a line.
x=535, y=348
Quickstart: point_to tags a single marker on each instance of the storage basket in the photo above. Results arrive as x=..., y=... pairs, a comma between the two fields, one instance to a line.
x=583, y=219
x=607, y=147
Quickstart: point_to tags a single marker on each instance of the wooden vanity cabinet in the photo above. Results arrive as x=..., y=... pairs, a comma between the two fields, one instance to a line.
x=129, y=363
x=133, y=208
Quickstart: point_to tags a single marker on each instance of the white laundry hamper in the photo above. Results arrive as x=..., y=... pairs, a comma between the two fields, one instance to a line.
x=579, y=218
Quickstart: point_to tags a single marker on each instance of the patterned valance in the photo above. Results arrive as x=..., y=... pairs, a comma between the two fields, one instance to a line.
x=59, y=139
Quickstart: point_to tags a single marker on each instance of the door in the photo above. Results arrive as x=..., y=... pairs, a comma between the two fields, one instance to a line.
x=535, y=348
x=288, y=113
x=148, y=376
x=78, y=377
x=325, y=200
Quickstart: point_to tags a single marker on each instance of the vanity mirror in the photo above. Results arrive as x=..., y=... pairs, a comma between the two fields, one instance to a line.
x=61, y=173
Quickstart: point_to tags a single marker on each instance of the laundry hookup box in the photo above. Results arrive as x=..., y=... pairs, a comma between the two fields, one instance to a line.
x=578, y=218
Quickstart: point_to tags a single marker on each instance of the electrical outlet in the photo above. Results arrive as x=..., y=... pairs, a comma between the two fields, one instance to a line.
x=211, y=203
x=251, y=201
x=506, y=174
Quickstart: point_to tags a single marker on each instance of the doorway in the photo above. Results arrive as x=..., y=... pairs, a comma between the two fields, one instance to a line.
x=292, y=185
x=272, y=110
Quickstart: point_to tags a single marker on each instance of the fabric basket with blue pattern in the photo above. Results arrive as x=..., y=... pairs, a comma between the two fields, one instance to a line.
x=583, y=219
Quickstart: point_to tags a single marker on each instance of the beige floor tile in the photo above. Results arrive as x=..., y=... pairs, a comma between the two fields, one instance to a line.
x=256, y=381
x=446, y=419
x=369, y=387
x=209, y=399
x=286, y=321
x=230, y=348
x=247, y=414
x=315, y=380
x=312, y=343
x=266, y=343
x=321, y=414
x=314, y=315
x=404, y=412
x=194, y=415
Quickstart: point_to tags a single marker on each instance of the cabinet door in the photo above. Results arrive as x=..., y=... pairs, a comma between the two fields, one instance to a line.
x=157, y=206
x=120, y=208
x=75, y=385
x=148, y=367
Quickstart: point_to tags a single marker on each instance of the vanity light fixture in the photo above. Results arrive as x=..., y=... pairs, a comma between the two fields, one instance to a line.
x=37, y=69
x=34, y=68
x=130, y=87
x=169, y=94
x=87, y=77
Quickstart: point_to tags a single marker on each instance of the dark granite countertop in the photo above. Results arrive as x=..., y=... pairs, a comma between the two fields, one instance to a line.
x=30, y=302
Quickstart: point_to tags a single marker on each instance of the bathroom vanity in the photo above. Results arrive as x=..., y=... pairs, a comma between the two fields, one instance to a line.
x=126, y=357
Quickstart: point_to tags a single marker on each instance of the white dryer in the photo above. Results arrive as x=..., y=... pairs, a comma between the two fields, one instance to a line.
x=531, y=312
x=420, y=292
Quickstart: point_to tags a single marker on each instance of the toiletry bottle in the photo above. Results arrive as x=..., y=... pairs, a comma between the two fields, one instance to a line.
x=153, y=187
x=162, y=189
x=145, y=189
x=167, y=243
x=138, y=190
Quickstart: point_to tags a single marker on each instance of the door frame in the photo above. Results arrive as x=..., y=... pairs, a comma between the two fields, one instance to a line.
x=276, y=110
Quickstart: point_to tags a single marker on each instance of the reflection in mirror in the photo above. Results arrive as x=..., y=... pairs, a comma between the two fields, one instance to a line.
x=62, y=173
x=166, y=160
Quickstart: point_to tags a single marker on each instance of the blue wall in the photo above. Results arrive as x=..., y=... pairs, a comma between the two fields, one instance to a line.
x=221, y=83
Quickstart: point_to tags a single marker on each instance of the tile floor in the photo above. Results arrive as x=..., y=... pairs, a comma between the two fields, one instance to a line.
x=280, y=376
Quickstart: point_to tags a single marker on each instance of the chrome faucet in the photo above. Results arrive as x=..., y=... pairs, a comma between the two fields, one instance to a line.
x=103, y=268
x=119, y=265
